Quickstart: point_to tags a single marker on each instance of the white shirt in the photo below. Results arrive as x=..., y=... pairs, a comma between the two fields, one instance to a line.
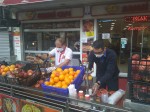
x=60, y=57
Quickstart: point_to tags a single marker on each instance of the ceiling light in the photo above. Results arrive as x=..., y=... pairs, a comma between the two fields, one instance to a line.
x=99, y=24
x=129, y=24
x=113, y=23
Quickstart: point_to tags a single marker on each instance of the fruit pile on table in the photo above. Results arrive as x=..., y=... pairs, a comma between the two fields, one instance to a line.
x=62, y=78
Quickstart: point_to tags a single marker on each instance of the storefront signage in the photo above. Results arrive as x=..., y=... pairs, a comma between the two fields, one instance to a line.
x=60, y=14
x=51, y=14
x=134, y=19
x=120, y=8
x=135, y=7
x=137, y=28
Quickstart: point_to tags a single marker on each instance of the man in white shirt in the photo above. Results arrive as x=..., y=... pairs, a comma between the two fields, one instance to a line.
x=62, y=54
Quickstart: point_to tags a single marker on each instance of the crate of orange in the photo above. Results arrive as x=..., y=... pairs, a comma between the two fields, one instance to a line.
x=61, y=78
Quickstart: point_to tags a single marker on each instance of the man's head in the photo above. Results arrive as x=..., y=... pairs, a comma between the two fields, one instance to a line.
x=60, y=44
x=98, y=48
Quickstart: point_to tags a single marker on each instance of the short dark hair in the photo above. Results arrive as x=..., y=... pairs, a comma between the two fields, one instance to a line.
x=98, y=44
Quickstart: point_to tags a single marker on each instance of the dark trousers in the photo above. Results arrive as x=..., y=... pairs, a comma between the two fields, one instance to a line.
x=112, y=84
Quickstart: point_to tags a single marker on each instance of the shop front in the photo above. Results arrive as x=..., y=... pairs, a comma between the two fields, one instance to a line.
x=40, y=30
x=125, y=29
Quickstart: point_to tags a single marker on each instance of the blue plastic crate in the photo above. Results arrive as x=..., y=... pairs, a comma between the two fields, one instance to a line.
x=78, y=81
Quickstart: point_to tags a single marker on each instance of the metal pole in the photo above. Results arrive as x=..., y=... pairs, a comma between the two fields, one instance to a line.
x=131, y=42
x=142, y=42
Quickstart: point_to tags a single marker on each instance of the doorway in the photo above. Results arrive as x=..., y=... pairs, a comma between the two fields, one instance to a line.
x=125, y=38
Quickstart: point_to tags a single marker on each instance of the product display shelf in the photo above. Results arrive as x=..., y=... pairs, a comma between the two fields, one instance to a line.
x=71, y=105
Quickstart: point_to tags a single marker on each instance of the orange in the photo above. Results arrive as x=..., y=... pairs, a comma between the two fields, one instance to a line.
x=75, y=75
x=3, y=66
x=12, y=66
x=64, y=86
x=6, y=69
x=46, y=83
x=66, y=71
x=71, y=77
x=68, y=81
x=70, y=69
x=61, y=77
x=2, y=70
x=51, y=81
x=12, y=69
x=54, y=72
x=67, y=75
x=59, y=84
x=56, y=79
x=52, y=75
x=50, y=85
x=63, y=83
x=71, y=73
x=90, y=77
x=3, y=73
x=59, y=70
x=62, y=73
x=57, y=74
x=78, y=71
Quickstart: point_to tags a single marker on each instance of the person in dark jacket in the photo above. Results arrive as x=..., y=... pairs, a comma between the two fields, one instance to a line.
x=106, y=64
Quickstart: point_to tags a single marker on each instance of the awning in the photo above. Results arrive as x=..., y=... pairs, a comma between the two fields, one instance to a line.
x=16, y=2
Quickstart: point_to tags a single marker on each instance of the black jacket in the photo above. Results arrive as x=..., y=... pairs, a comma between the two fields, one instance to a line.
x=106, y=66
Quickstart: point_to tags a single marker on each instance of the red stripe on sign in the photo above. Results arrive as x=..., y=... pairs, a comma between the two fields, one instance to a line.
x=14, y=2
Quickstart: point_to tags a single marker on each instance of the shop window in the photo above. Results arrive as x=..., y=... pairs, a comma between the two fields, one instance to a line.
x=45, y=41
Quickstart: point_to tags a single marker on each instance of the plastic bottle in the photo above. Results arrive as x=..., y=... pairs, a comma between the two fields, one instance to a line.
x=114, y=98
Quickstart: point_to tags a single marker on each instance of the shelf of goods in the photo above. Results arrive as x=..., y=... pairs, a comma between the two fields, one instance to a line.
x=28, y=82
x=139, y=79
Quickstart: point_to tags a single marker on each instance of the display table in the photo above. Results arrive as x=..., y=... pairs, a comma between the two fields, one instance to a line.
x=71, y=105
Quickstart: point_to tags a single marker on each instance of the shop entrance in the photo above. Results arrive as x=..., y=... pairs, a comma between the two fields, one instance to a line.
x=125, y=38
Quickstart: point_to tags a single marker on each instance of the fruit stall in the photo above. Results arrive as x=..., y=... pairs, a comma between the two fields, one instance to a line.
x=26, y=86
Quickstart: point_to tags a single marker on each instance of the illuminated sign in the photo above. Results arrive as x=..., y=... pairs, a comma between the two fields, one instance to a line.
x=137, y=28
x=137, y=19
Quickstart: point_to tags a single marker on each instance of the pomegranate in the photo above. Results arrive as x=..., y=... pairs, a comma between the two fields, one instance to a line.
x=142, y=68
x=148, y=61
x=135, y=65
x=136, y=57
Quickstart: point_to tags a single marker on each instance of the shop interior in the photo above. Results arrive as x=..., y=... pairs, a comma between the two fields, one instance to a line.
x=125, y=38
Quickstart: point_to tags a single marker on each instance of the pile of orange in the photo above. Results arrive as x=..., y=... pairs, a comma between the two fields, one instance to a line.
x=5, y=69
x=62, y=78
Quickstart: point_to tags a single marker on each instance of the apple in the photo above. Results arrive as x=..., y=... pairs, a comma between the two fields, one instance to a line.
x=25, y=75
x=41, y=81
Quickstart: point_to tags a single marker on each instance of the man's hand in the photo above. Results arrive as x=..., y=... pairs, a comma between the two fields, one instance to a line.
x=95, y=88
x=50, y=69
